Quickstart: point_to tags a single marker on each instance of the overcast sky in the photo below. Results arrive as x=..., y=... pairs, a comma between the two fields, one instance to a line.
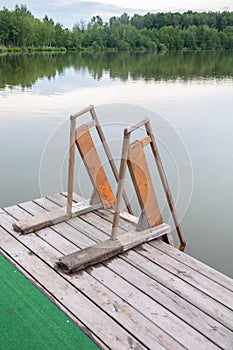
x=68, y=12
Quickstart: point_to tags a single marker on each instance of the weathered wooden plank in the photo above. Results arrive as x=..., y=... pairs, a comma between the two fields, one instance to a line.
x=61, y=200
x=188, y=260
x=145, y=141
x=186, y=311
x=94, y=167
x=195, y=264
x=33, y=208
x=173, y=325
x=116, y=304
x=153, y=281
x=83, y=111
x=190, y=293
x=52, y=217
x=137, y=125
x=73, y=235
x=127, y=221
x=189, y=275
x=97, y=223
x=76, y=197
x=46, y=203
x=109, y=248
x=149, y=334
x=50, y=234
x=141, y=178
x=70, y=238
x=87, y=229
x=200, y=299
x=91, y=124
x=183, y=309
x=134, y=322
x=91, y=222
x=107, y=329
x=40, y=221
x=16, y=212
x=127, y=217
x=109, y=155
x=90, y=226
x=177, y=252
x=104, y=225
x=81, y=223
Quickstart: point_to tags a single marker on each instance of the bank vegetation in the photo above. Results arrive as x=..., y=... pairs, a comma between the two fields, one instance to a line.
x=21, y=31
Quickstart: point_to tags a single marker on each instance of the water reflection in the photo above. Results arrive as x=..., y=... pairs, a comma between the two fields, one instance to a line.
x=25, y=70
x=192, y=91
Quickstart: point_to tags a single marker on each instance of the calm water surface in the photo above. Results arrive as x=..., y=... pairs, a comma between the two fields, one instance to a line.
x=189, y=97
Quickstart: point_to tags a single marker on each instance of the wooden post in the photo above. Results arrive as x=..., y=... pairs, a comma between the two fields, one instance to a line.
x=83, y=111
x=72, y=157
x=165, y=183
x=120, y=186
x=109, y=156
x=71, y=166
x=137, y=125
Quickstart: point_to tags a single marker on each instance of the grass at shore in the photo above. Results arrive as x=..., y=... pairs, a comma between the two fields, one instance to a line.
x=30, y=49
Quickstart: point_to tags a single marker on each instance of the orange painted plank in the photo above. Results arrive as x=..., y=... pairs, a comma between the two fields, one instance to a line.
x=141, y=178
x=94, y=167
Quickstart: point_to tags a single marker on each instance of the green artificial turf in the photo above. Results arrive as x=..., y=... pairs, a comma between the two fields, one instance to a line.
x=28, y=320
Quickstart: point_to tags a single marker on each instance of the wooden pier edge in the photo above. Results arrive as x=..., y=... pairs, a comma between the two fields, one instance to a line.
x=153, y=296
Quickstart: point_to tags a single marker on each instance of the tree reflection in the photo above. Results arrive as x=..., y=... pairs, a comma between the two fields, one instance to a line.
x=25, y=70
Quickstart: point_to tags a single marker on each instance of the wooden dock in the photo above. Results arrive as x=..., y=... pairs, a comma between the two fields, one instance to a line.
x=151, y=297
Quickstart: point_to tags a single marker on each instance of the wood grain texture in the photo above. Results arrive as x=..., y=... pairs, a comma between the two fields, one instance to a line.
x=52, y=217
x=141, y=178
x=150, y=297
x=102, y=251
x=94, y=167
x=109, y=156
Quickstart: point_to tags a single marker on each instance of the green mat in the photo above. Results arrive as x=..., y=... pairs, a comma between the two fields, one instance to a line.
x=28, y=320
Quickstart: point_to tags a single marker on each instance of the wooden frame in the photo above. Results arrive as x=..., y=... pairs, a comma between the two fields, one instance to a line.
x=150, y=215
x=99, y=180
x=150, y=224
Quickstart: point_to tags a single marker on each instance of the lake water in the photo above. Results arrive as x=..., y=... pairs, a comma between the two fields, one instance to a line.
x=189, y=99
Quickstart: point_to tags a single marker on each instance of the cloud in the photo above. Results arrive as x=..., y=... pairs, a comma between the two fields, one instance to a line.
x=77, y=10
x=68, y=12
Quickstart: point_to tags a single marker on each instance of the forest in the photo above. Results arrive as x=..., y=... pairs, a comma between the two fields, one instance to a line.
x=20, y=30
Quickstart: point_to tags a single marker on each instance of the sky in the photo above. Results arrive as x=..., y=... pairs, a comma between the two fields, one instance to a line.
x=69, y=12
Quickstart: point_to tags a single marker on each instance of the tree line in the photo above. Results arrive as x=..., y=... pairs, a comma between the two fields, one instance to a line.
x=153, y=31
